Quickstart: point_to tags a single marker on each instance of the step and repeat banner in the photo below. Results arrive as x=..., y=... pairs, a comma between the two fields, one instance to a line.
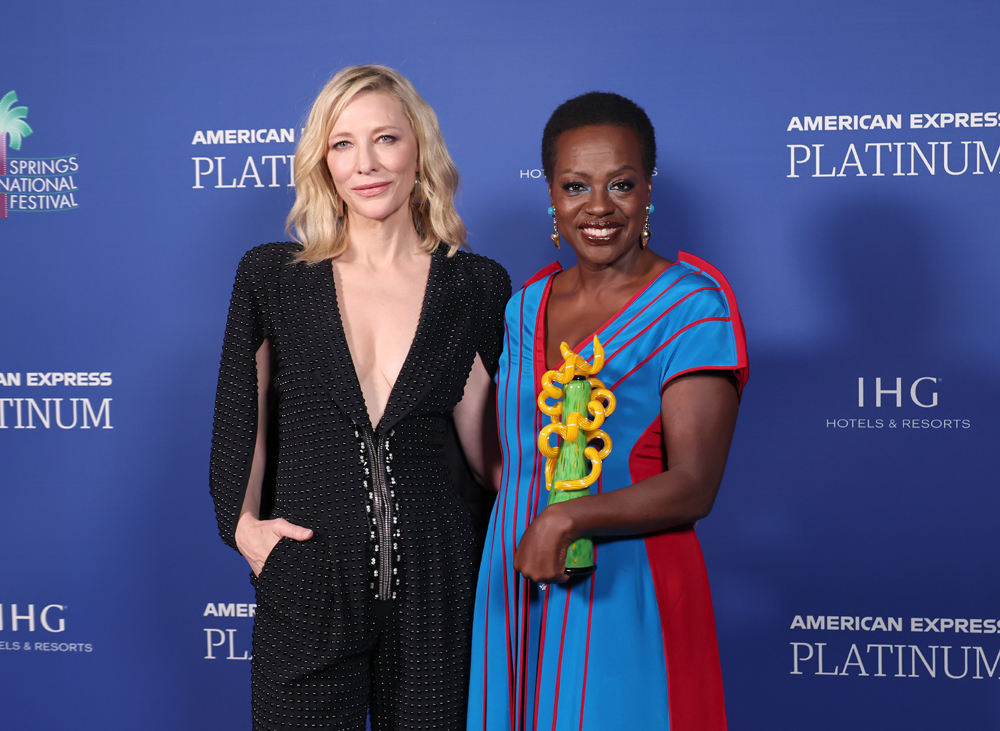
x=839, y=162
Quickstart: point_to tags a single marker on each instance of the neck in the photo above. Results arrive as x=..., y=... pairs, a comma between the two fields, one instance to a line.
x=380, y=243
x=635, y=263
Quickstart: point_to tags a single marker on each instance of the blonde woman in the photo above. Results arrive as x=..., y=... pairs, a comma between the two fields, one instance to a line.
x=350, y=356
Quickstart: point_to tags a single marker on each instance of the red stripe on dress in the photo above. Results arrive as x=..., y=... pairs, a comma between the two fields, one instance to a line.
x=586, y=651
x=538, y=493
x=541, y=655
x=644, y=361
x=542, y=273
x=650, y=304
x=590, y=616
x=684, y=599
x=496, y=515
x=522, y=688
x=518, y=594
x=538, y=368
x=538, y=345
x=739, y=331
x=503, y=543
x=562, y=645
x=538, y=350
x=486, y=623
x=534, y=487
x=537, y=473
x=506, y=387
x=657, y=319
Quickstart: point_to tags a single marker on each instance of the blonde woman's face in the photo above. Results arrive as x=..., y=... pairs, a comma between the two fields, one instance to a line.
x=372, y=156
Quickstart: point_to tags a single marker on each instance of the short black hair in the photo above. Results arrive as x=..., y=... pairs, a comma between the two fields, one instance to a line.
x=599, y=108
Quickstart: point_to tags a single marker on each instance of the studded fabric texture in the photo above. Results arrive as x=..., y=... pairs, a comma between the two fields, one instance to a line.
x=319, y=649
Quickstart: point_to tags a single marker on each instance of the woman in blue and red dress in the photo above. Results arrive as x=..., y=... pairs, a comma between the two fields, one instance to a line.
x=633, y=645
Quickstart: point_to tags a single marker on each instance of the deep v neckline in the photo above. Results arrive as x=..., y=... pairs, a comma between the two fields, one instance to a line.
x=425, y=306
x=542, y=333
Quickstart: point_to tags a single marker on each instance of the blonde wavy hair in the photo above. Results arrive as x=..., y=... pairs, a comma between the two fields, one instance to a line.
x=318, y=220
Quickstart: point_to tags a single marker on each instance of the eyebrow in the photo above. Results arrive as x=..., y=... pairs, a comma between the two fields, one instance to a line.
x=586, y=175
x=377, y=130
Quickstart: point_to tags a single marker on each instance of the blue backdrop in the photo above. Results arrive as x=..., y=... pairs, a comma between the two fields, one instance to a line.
x=837, y=161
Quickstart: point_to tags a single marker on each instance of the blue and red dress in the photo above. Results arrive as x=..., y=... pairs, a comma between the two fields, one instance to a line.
x=633, y=646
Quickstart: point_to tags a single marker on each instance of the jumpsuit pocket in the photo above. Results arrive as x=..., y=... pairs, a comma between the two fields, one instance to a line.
x=269, y=563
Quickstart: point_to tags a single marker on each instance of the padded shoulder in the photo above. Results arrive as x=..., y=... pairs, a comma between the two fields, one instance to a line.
x=490, y=273
x=269, y=256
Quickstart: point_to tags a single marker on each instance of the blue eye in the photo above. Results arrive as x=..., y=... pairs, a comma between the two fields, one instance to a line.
x=386, y=138
x=339, y=145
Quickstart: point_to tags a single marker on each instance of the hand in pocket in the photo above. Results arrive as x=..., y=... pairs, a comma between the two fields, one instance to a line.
x=257, y=538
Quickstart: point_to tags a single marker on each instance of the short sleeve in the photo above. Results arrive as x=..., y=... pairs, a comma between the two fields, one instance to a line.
x=706, y=330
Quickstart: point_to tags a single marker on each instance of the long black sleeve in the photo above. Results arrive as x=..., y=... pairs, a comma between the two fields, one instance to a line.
x=235, y=427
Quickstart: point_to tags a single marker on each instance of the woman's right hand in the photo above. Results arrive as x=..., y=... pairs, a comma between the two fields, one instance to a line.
x=257, y=538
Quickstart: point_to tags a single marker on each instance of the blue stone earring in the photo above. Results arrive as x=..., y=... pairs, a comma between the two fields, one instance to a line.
x=555, y=227
x=644, y=239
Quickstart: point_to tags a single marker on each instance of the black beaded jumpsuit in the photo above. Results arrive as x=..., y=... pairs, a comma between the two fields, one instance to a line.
x=374, y=612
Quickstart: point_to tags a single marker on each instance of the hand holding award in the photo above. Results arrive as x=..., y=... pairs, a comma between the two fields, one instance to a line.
x=566, y=474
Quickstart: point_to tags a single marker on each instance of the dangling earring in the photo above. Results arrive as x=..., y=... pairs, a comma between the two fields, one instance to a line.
x=415, y=199
x=555, y=228
x=644, y=239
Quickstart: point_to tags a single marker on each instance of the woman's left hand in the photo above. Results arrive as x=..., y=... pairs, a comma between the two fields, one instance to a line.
x=541, y=554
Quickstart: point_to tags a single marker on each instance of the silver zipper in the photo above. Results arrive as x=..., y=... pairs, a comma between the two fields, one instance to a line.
x=383, y=516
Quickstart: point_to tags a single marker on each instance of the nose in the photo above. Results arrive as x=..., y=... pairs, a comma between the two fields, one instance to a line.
x=599, y=203
x=367, y=161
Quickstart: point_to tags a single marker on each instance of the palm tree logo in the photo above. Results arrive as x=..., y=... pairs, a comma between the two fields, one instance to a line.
x=11, y=123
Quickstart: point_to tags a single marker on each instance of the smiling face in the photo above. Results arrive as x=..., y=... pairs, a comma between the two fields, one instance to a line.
x=372, y=156
x=600, y=191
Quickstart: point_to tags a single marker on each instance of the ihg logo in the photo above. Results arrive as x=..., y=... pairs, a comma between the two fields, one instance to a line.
x=50, y=618
x=920, y=392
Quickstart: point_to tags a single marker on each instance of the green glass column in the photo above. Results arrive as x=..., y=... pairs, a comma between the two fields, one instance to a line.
x=573, y=465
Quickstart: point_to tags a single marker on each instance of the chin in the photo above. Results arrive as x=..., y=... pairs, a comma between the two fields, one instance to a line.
x=600, y=253
x=376, y=210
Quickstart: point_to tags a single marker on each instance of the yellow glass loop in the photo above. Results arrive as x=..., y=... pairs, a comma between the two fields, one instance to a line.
x=601, y=405
x=605, y=398
x=605, y=440
x=544, y=446
x=595, y=472
x=546, y=408
x=596, y=408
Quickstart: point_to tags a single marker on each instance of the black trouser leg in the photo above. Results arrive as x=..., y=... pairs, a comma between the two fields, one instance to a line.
x=333, y=699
